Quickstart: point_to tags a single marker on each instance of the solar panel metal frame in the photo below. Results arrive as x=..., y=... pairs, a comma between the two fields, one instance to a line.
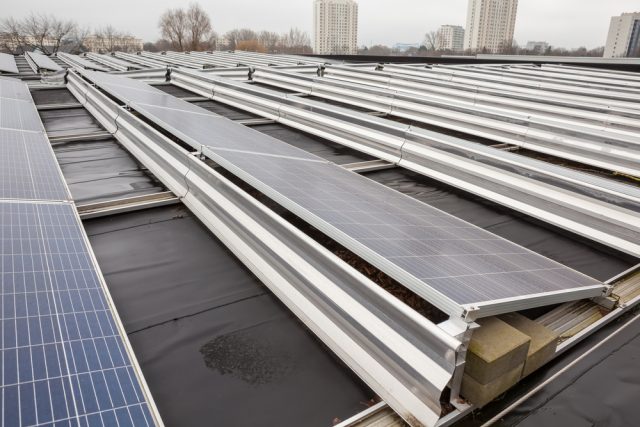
x=471, y=310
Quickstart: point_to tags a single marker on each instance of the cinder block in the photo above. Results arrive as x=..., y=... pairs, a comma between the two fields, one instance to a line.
x=543, y=341
x=495, y=349
x=481, y=394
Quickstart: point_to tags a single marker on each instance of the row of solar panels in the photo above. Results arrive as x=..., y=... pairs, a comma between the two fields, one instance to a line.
x=65, y=360
x=452, y=264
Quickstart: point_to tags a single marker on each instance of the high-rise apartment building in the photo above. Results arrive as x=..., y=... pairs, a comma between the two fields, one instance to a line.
x=490, y=24
x=450, y=37
x=624, y=36
x=335, y=27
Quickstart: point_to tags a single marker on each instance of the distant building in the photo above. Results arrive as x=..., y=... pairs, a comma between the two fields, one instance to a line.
x=97, y=43
x=450, y=37
x=539, y=47
x=624, y=36
x=402, y=47
x=490, y=24
x=335, y=26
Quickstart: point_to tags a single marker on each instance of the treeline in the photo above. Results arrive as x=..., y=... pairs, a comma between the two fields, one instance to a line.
x=50, y=34
x=191, y=29
x=382, y=50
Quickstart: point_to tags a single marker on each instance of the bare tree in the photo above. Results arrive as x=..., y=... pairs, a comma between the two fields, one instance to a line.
x=295, y=41
x=379, y=50
x=75, y=43
x=235, y=36
x=269, y=40
x=60, y=32
x=188, y=29
x=251, y=46
x=109, y=39
x=173, y=27
x=12, y=36
x=198, y=26
x=431, y=41
x=212, y=41
x=37, y=31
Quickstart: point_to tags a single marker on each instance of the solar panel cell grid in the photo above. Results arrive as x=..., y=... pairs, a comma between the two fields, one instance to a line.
x=447, y=261
x=63, y=359
x=14, y=89
x=228, y=135
x=467, y=264
x=28, y=168
x=18, y=114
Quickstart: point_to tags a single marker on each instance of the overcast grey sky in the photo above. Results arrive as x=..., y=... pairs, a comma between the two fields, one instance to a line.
x=563, y=23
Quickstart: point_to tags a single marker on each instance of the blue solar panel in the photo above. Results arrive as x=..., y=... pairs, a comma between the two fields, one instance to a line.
x=28, y=168
x=64, y=360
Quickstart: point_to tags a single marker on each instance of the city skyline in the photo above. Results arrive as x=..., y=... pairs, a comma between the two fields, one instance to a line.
x=571, y=24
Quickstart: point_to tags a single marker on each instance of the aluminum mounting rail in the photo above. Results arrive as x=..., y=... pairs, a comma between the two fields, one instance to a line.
x=511, y=96
x=288, y=59
x=484, y=77
x=113, y=62
x=139, y=59
x=568, y=74
x=582, y=113
x=155, y=75
x=616, y=150
x=626, y=75
x=205, y=58
x=598, y=209
x=172, y=61
x=245, y=60
x=77, y=61
x=402, y=356
x=536, y=74
x=273, y=59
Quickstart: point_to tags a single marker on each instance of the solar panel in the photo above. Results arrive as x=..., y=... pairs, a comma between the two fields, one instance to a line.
x=243, y=138
x=18, y=114
x=63, y=358
x=28, y=168
x=14, y=89
x=134, y=91
x=43, y=62
x=82, y=62
x=8, y=63
x=451, y=263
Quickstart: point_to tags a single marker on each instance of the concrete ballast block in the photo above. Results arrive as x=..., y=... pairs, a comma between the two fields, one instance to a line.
x=543, y=345
x=495, y=349
x=481, y=394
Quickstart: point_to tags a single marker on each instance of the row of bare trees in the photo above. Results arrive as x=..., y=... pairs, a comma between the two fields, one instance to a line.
x=38, y=31
x=50, y=35
x=191, y=29
x=293, y=41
